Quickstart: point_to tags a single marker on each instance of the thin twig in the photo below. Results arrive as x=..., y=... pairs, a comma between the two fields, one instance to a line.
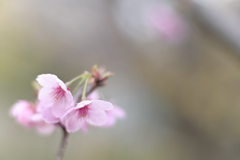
x=63, y=142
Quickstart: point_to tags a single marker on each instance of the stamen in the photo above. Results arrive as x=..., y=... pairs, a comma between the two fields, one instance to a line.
x=57, y=93
x=83, y=112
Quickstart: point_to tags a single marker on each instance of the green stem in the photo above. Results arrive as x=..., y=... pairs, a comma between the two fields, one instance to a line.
x=85, y=87
x=76, y=78
x=78, y=85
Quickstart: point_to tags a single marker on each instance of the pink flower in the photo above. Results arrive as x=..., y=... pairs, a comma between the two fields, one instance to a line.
x=27, y=115
x=54, y=96
x=113, y=115
x=23, y=111
x=92, y=112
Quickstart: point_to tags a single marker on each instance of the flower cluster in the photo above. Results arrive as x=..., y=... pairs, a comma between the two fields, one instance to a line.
x=56, y=105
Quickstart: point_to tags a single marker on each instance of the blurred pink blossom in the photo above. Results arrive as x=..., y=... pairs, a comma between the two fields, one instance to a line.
x=167, y=23
x=23, y=111
x=113, y=115
x=27, y=115
x=42, y=126
x=93, y=96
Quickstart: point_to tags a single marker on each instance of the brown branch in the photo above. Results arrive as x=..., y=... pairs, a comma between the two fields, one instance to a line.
x=63, y=142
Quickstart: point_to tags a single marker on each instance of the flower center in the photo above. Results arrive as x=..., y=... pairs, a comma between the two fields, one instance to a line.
x=83, y=112
x=58, y=93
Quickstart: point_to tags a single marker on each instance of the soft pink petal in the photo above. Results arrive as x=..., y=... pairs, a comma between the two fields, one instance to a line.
x=37, y=117
x=23, y=110
x=70, y=109
x=93, y=96
x=100, y=105
x=45, y=129
x=40, y=107
x=167, y=23
x=48, y=116
x=97, y=117
x=72, y=121
x=69, y=97
x=110, y=121
x=113, y=115
x=62, y=84
x=118, y=112
x=18, y=107
x=45, y=96
x=83, y=104
x=84, y=126
x=25, y=117
x=47, y=80
x=59, y=107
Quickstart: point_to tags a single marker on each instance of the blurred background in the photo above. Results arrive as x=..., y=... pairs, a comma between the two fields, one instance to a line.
x=177, y=75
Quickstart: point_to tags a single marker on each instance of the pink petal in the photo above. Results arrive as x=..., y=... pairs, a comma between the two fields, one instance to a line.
x=19, y=107
x=72, y=121
x=70, y=109
x=47, y=80
x=62, y=84
x=83, y=104
x=118, y=112
x=45, y=96
x=25, y=117
x=45, y=129
x=69, y=98
x=48, y=116
x=100, y=105
x=39, y=107
x=59, y=107
x=37, y=117
x=84, y=126
x=167, y=23
x=97, y=117
x=113, y=115
x=110, y=121
x=23, y=110
x=93, y=96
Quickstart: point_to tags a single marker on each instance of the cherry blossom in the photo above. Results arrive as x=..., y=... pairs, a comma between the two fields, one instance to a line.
x=54, y=97
x=27, y=115
x=23, y=110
